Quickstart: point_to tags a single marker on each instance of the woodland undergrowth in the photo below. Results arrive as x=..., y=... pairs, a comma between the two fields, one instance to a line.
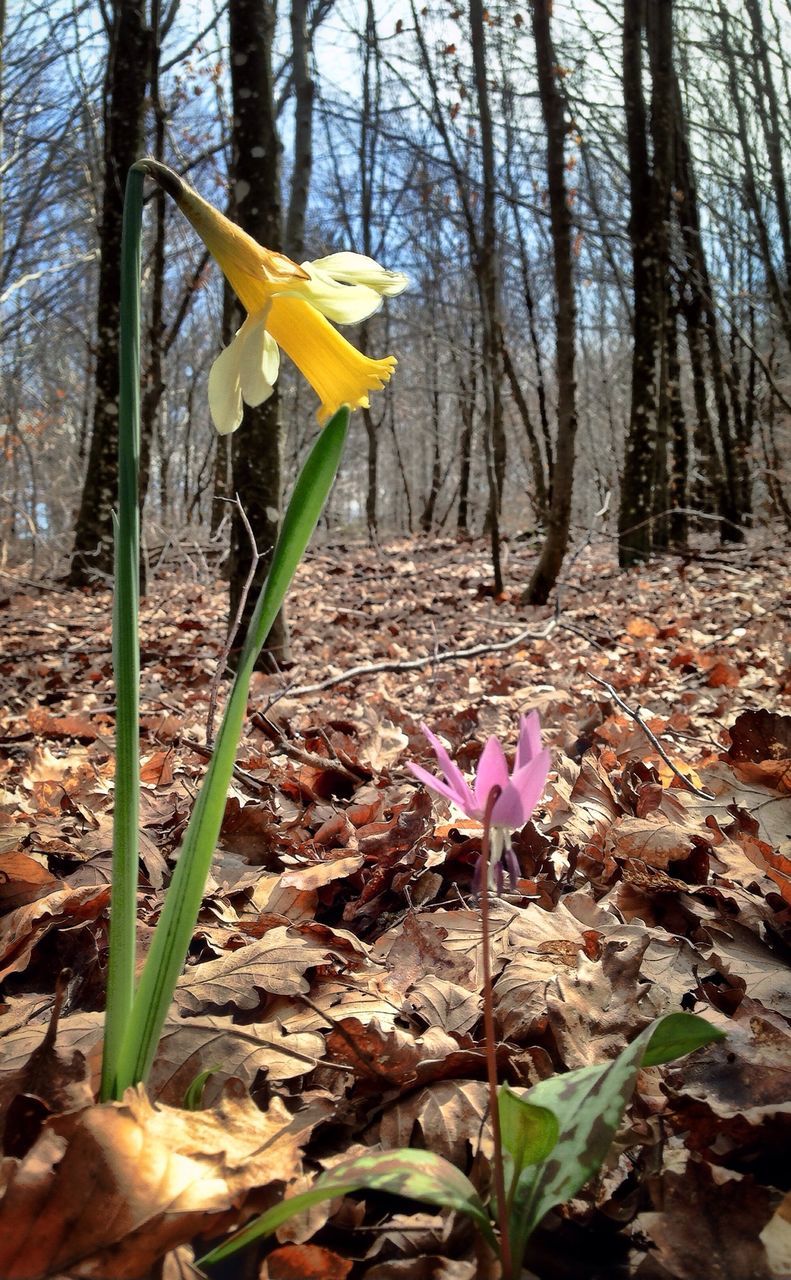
x=332, y=997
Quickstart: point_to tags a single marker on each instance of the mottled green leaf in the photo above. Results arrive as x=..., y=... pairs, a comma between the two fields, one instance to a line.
x=589, y=1104
x=677, y=1034
x=528, y=1135
x=420, y=1175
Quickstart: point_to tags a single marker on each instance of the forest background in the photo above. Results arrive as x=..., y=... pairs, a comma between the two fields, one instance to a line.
x=591, y=204
x=571, y=498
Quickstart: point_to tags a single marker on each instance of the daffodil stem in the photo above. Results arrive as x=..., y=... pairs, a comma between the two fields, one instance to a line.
x=172, y=936
x=126, y=649
x=136, y=1013
x=491, y=1044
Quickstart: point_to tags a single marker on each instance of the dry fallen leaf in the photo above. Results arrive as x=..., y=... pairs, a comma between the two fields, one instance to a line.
x=447, y=1117
x=108, y=1189
x=709, y=1224
x=276, y=963
x=304, y=1262
x=23, y=928
x=445, y=1004
x=339, y=941
x=594, y=1011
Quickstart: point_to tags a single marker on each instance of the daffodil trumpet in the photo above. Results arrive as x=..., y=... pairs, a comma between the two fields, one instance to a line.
x=289, y=306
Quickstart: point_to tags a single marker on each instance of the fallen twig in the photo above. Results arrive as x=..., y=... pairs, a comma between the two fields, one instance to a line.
x=577, y=631
x=652, y=738
x=312, y=758
x=36, y=583
x=411, y=664
x=257, y=784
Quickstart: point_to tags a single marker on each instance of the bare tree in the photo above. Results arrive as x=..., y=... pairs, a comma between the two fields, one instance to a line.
x=553, y=551
x=532, y=295
x=257, y=445
x=487, y=272
x=126, y=81
x=304, y=94
x=650, y=171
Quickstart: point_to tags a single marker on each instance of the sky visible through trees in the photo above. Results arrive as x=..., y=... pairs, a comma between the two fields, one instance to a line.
x=720, y=299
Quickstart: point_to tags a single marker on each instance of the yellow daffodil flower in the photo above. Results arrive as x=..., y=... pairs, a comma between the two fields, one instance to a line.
x=289, y=307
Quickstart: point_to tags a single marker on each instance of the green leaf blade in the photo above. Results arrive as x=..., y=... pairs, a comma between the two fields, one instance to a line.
x=529, y=1133
x=126, y=651
x=589, y=1105
x=677, y=1034
x=173, y=933
x=418, y=1175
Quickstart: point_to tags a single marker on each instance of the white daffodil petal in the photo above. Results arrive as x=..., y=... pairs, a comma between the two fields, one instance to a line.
x=356, y=268
x=260, y=361
x=225, y=388
x=271, y=359
x=343, y=303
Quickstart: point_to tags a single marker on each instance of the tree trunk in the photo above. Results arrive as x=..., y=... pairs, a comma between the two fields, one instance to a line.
x=771, y=116
x=430, y=505
x=366, y=160
x=391, y=422
x=256, y=448
x=487, y=271
x=153, y=381
x=304, y=93
x=222, y=477
x=701, y=321
x=660, y=481
x=545, y=484
x=779, y=294
x=649, y=186
x=678, y=527
x=550, y=560
x=468, y=386
x=536, y=461
x=707, y=487
x=126, y=81
x=776, y=470
x=2, y=139
x=372, y=488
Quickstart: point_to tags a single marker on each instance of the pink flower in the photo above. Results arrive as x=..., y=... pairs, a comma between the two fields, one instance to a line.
x=519, y=791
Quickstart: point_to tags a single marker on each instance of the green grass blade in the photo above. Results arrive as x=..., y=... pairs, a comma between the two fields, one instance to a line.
x=174, y=930
x=126, y=651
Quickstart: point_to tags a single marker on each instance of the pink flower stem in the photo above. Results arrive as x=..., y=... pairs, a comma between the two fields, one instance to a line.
x=491, y=1050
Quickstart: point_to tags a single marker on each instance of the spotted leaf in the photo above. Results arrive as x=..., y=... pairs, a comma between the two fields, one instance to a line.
x=588, y=1105
x=420, y=1175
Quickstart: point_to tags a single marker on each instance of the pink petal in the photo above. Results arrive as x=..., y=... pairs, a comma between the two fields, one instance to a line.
x=508, y=810
x=492, y=771
x=451, y=770
x=520, y=797
x=529, y=740
x=462, y=801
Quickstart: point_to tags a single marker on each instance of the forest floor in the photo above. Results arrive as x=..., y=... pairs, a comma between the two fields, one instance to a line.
x=335, y=972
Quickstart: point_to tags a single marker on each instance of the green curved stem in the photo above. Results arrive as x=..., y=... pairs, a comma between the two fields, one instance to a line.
x=126, y=651
x=491, y=1044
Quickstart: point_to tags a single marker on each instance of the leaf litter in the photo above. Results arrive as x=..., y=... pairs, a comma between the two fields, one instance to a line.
x=332, y=998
